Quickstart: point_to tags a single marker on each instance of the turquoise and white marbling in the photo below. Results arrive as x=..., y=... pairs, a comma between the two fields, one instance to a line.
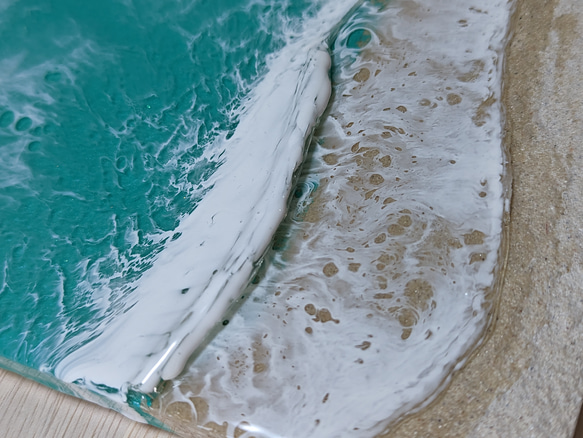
x=147, y=152
x=197, y=276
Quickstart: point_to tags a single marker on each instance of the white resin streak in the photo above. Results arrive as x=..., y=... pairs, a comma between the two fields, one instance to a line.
x=196, y=277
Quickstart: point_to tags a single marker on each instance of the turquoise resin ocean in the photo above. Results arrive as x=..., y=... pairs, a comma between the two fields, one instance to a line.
x=108, y=114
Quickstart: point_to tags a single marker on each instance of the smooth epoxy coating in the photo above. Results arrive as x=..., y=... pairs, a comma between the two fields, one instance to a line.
x=196, y=277
x=147, y=153
x=378, y=284
x=384, y=276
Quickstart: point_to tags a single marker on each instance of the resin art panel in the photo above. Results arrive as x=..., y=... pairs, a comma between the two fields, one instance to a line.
x=251, y=218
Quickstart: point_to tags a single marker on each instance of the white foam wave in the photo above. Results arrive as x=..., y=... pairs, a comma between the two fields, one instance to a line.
x=197, y=276
x=387, y=285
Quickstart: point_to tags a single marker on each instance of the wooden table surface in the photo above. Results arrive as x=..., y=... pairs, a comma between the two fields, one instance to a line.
x=30, y=410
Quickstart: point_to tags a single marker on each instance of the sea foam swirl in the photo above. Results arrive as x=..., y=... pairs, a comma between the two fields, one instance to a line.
x=197, y=276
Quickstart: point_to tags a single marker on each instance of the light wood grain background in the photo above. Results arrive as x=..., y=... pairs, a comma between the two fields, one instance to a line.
x=30, y=410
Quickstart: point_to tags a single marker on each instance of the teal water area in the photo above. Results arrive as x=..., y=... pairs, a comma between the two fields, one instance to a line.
x=108, y=115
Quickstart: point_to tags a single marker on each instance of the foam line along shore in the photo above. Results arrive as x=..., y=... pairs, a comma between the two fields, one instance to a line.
x=197, y=276
x=380, y=288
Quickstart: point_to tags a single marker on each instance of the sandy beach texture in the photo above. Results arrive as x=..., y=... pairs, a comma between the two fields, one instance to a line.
x=526, y=380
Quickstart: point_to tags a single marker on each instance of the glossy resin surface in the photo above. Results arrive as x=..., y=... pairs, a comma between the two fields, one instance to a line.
x=377, y=285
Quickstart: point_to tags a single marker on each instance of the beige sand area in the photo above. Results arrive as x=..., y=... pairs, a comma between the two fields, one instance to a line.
x=525, y=381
